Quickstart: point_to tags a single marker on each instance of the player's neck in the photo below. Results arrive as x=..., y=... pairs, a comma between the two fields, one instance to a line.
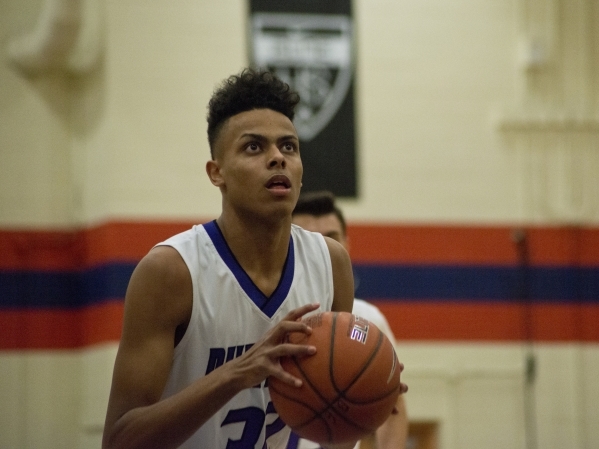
x=259, y=246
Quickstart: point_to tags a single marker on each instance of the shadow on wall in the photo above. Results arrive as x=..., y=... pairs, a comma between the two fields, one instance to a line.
x=62, y=59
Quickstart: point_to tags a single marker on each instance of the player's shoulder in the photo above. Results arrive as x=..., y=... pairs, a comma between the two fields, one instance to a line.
x=187, y=236
x=312, y=240
x=373, y=314
x=366, y=310
x=161, y=281
x=299, y=232
x=164, y=263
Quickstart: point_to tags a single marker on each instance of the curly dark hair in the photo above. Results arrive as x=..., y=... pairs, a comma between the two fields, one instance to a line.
x=318, y=204
x=251, y=89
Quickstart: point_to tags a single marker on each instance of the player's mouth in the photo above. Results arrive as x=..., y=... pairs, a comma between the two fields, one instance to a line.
x=278, y=184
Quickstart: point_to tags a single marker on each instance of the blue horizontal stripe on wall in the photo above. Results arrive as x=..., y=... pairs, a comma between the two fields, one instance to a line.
x=64, y=290
x=77, y=289
x=485, y=283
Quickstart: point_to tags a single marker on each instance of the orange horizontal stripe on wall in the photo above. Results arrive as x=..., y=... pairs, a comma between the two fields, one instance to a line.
x=468, y=321
x=39, y=250
x=483, y=245
x=398, y=243
x=72, y=250
x=61, y=328
x=127, y=241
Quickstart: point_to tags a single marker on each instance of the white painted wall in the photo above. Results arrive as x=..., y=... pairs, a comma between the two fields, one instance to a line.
x=442, y=95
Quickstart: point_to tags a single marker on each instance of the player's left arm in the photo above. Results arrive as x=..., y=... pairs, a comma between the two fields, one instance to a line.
x=343, y=277
x=343, y=299
x=393, y=433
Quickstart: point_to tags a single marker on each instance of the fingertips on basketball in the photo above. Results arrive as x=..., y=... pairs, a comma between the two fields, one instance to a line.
x=301, y=311
x=286, y=378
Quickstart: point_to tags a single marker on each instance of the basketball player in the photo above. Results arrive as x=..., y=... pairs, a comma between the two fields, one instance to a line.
x=317, y=212
x=207, y=311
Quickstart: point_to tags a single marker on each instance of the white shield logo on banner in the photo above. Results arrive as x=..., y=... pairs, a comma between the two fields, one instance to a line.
x=313, y=54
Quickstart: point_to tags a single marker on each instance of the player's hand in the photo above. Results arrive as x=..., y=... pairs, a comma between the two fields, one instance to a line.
x=262, y=360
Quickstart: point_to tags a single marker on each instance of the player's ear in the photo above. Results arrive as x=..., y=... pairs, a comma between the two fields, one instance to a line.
x=213, y=171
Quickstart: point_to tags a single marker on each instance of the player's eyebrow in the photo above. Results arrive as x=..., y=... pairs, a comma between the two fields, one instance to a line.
x=253, y=136
x=261, y=137
x=289, y=137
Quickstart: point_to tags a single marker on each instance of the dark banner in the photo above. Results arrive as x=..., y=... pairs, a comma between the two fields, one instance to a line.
x=309, y=44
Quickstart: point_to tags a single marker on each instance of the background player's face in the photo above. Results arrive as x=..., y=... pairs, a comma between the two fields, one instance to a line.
x=257, y=163
x=328, y=225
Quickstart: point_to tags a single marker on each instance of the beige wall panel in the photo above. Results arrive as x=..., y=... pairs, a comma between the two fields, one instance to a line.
x=97, y=363
x=55, y=399
x=146, y=156
x=34, y=139
x=41, y=400
x=461, y=387
x=431, y=76
x=562, y=397
x=476, y=392
x=590, y=396
x=12, y=393
x=489, y=412
x=429, y=399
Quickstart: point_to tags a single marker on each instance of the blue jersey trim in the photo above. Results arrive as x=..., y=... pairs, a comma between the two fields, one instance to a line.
x=267, y=304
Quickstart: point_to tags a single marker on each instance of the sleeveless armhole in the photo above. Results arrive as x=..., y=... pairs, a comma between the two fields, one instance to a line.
x=321, y=265
x=177, y=242
x=329, y=271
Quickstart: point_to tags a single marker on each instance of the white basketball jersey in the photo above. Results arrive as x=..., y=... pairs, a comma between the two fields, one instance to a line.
x=229, y=314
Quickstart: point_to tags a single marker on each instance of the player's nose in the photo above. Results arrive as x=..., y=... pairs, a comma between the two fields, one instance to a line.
x=276, y=158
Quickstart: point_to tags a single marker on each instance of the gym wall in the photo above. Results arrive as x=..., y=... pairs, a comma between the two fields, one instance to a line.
x=476, y=228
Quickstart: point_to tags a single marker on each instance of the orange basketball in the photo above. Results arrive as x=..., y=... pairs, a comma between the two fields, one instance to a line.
x=349, y=387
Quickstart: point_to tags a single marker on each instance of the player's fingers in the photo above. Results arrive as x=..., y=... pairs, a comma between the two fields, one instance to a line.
x=292, y=322
x=293, y=350
x=296, y=314
x=285, y=327
x=290, y=350
x=403, y=388
x=287, y=378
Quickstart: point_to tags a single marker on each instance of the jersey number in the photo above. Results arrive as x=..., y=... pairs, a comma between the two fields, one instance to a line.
x=254, y=418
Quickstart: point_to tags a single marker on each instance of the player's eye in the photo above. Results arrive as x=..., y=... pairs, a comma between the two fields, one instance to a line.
x=289, y=146
x=252, y=147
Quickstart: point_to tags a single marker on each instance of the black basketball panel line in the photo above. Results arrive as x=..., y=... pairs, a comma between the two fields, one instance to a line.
x=362, y=370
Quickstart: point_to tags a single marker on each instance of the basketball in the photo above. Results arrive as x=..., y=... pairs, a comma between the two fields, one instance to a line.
x=349, y=387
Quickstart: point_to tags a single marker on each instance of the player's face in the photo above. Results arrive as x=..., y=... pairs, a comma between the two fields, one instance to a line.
x=257, y=162
x=328, y=225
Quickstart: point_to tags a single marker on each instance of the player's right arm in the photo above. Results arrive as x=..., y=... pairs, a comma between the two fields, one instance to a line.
x=157, y=303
